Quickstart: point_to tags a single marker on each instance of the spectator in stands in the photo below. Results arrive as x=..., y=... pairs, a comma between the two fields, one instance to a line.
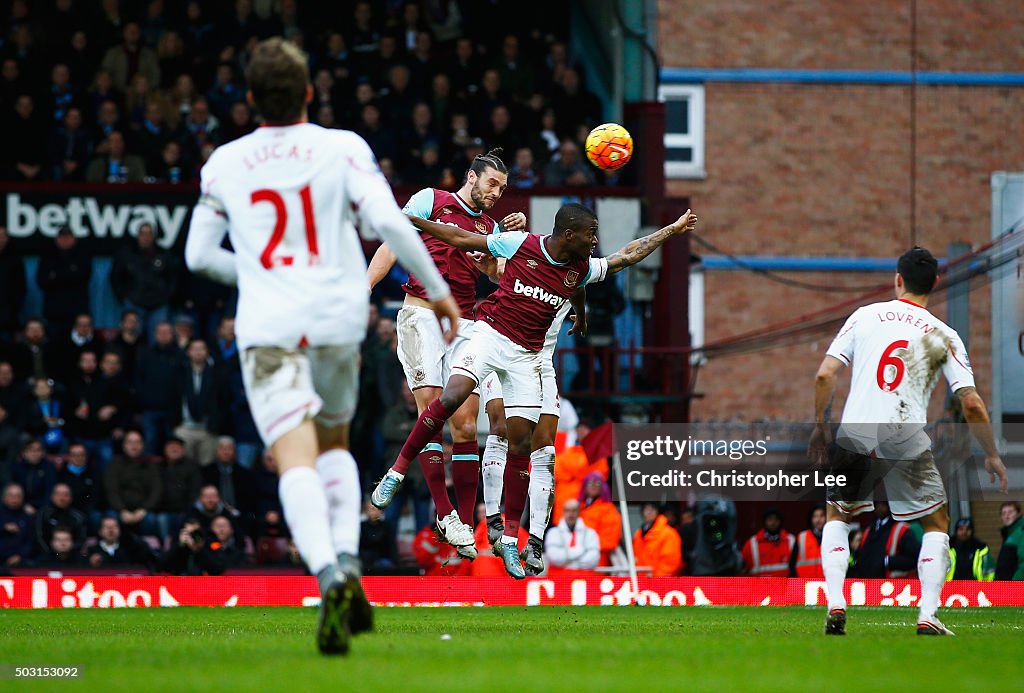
x=12, y=287
x=268, y=503
x=168, y=167
x=546, y=147
x=15, y=527
x=117, y=550
x=12, y=417
x=567, y=169
x=887, y=549
x=515, y=73
x=767, y=553
x=200, y=128
x=208, y=506
x=60, y=553
x=184, y=332
x=154, y=377
x=35, y=473
x=60, y=513
x=574, y=104
x=134, y=486
x=82, y=337
x=116, y=165
x=107, y=122
x=422, y=66
x=523, y=174
x=239, y=122
x=377, y=548
x=69, y=148
x=465, y=72
x=570, y=545
x=656, y=545
x=188, y=555
x=234, y=483
x=416, y=138
x=22, y=151
x=144, y=277
x=223, y=549
x=170, y=54
x=119, y=394
x=181, y=481
x=64, y=275
x=225, y=92
x=969, y=557
x=128, y=341
x=1011, y=555
x=129, y=58
x=500, y=132
x=86, y=487
x=91, y=409
x=197, y=402
x=380, y=139
x=489, y=96
x=45, y=416
x=150, y=136
x=599, y=513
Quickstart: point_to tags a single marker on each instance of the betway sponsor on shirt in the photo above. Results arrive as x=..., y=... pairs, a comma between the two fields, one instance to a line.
x=538, y=293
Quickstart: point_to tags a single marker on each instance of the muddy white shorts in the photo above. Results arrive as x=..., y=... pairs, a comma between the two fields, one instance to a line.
x=287, y=386
x=490, y=389
x=518, y=370
x=426, y=358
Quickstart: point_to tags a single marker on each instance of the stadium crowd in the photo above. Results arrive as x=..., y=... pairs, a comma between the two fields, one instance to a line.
x=143, y=92
x=134, y=445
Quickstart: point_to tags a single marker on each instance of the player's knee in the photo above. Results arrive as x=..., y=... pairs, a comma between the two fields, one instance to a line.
x=464, y=431
x=499, y=428
x=938, y=521
x=519, y=444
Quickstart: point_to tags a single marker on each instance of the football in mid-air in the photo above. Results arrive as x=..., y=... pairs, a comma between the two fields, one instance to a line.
x=609, y=146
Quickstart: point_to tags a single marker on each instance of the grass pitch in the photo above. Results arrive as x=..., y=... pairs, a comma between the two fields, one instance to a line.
x=518, y=649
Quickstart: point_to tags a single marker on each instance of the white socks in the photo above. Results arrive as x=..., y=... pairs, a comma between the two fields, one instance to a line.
x=542, y=489
x=835, y=559
x=493, y=469
x=340, y=478
x=305, y=511
x=932, y=565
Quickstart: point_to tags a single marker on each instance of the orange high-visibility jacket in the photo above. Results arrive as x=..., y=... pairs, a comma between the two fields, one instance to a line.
x=660, y=548
x=602, y=517
x=571, y=467
x=765, y=558
x=808, y=555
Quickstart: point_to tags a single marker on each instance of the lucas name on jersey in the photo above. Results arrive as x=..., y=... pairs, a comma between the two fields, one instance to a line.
x=538, y=293
x=276, y=151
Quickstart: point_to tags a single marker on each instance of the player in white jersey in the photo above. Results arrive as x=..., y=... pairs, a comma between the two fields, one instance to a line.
x=897, y=350
x=292, y=196
x=542, y=459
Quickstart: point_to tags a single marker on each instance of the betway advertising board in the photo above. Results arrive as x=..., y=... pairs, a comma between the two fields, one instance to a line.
x=101, y=216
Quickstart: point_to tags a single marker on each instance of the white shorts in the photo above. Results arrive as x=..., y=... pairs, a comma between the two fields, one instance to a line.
x=426, y=358
x=287, y=386
x=518, y=370
x=913, y=487
x=490, y=390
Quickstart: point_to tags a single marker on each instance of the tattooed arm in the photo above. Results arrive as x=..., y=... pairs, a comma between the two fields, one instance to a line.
x=635, y=251
x=976, y=414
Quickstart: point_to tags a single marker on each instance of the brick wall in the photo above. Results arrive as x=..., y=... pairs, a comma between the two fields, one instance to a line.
x=798, y=169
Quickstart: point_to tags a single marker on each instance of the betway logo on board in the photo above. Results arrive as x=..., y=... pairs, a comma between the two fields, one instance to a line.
x=538, y=293
x=88, y=217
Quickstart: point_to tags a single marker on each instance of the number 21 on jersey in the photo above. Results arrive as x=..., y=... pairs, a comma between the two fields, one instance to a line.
x=267, y=257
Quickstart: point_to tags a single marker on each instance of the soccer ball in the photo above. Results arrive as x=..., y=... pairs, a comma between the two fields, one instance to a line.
x=609, y=146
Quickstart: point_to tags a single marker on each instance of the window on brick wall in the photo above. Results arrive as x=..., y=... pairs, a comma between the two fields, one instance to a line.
x=684, y=129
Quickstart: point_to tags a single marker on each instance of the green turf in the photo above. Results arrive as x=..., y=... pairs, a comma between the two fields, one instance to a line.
x=519, y=649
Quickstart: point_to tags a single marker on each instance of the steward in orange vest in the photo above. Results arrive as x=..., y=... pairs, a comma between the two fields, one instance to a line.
x=657, y=544
x=806, y=559
x=888, y=549
x=767, y=553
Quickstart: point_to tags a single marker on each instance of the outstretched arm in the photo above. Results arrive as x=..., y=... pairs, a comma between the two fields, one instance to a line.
x=381, y=263
x=977, y=417
x=452, y=235
x=635, y=251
